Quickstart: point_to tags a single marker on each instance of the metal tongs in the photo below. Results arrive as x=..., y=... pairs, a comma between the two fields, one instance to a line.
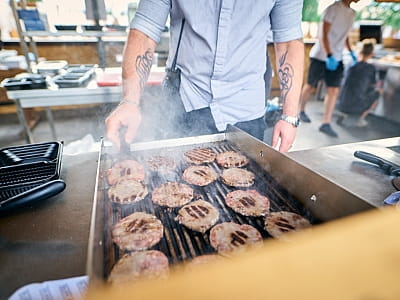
x=125, y=148
x=388, y=167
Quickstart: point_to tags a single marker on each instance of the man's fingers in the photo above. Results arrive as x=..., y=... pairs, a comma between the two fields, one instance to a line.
x=275, y=138
x=113, y=132
x=285, y=146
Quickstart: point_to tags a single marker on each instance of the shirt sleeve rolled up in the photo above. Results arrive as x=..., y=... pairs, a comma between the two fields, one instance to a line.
x=286, y=20
x=150, y=18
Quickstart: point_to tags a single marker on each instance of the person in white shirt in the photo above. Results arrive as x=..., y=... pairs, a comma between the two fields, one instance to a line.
x=326, y=60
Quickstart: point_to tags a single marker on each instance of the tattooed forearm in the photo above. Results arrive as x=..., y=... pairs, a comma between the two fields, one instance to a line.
x=143, y=66
x=286, y=74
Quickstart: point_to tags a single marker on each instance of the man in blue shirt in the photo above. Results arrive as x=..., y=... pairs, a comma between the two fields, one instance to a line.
x=221, y=59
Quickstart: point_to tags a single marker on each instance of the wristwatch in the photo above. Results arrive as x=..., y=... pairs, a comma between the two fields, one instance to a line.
x=295, y=121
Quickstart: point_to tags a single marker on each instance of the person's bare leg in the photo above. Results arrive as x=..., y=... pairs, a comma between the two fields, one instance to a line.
x=306, y=93
x=372, y=107
x=329, y=103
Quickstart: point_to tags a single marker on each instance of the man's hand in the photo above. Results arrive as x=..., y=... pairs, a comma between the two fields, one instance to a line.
x=285, y=133
x=128, y=115
x=331, y=63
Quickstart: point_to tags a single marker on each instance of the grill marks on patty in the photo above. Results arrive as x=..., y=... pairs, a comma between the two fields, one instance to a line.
x=248, y=203
x=198, y=215
x=229, y=159
x=127, y=168
x=227, y=237
x=199, y=175
x=281, y=222
x=138, y=231
x=172, y=194
x=200, y=156
x=237, y=177
x=126, y=191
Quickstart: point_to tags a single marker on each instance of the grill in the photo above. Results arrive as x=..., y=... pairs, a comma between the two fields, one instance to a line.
x=29, y=173
x=180, y=243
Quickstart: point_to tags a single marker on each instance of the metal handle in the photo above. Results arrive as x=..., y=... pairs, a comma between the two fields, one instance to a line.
x=44, y=191
x=385, y=165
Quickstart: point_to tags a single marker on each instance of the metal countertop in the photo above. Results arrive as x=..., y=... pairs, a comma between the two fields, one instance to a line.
x=338, y=164
x=49, y=241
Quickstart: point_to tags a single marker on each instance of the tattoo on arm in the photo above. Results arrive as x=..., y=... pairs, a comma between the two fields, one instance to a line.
x=143, y=66
x=286, y=74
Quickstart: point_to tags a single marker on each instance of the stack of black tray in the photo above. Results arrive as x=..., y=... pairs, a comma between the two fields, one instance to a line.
x=25, y=82
x=29, y=173
x=75, y=76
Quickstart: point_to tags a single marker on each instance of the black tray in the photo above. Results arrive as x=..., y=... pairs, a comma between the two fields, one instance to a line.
x=27, y=82
x=70, y=80
x=29, y=173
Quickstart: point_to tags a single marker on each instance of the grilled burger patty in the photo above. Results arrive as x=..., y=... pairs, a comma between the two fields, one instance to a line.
x=200, y=156
x=138, y=231
x=281, y=222
x=227, y=237
x=237, y=177
x=127, y=191
x=198, y=215
x=248, y=203
x=199, y=175
x=172, y=194
x=133, y=266
x=159, y=163
x=229, y=159
x=126, y=168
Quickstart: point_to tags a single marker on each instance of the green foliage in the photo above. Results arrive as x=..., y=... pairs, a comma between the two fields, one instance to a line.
x=389, y=13
x=310, y=11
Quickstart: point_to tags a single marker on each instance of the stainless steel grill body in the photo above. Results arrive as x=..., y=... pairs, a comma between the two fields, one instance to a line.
x=288, y=185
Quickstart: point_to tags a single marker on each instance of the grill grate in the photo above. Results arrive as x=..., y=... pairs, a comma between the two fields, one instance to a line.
x=26, y=174
x=180, y=243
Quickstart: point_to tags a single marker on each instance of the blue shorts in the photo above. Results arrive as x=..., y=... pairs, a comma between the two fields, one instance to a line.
x=318, y=71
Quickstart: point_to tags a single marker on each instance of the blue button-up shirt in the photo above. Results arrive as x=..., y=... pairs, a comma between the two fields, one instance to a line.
x=223, y=49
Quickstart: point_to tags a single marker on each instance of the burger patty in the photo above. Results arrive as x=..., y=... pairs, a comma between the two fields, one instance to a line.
x=126, y=191
x=248, y=203
x=199, y=175
x=133, y=266
x=200, y=156
x=126, y=168
x=227, y=237
x=172, y=194
x=138, y=231
x=198, y=215
x=281, y=222
x=159, y=163
x=229, y=159
x=237, y=177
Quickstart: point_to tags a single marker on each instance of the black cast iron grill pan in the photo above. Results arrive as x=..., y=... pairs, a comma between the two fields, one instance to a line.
x=29, y=173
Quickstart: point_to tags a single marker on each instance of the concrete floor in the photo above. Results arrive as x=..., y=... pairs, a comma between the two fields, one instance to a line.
x=74, y=124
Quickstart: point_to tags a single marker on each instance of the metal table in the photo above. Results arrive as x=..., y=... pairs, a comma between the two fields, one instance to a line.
x=91, y=94
x=68, y=96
